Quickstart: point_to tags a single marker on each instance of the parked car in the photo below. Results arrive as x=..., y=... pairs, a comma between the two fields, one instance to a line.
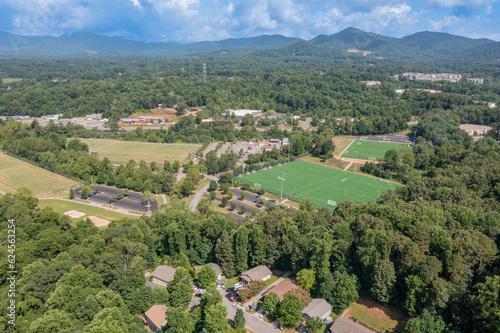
x=262, y=315
x=237, y=305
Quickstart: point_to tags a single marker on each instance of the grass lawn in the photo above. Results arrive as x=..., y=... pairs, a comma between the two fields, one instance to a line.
x=380, y=317
x=17, y=173
x=231, y=282
x=61, y=206
x=11, y=80
x=319, y=183
x=371, y=150
x=120, y=152
x=200, y=185
x=271, y=281
x=332, y=162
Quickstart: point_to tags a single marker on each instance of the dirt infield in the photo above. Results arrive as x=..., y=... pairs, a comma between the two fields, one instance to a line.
x=99, y=222
x=74, y=214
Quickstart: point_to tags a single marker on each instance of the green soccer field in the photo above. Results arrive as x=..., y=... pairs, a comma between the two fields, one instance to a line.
x=319, y=183
x=120, y=152
x=371, y=150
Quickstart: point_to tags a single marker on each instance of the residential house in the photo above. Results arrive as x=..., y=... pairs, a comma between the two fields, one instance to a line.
x=163, y=275
x=258, y=273
x=317, y=308
x=344, y=325
x=156, y=317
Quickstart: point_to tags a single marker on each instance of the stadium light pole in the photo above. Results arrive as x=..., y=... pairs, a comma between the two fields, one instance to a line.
x=355, y=160
x=282, y=179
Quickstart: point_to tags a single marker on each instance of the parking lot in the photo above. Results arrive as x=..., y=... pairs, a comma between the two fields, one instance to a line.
x=131, y=202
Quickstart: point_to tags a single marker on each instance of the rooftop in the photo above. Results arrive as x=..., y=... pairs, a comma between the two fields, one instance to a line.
x=257, y=273
x=344, y=325
x=317, y=308
x=164, y=272
x=157, y=314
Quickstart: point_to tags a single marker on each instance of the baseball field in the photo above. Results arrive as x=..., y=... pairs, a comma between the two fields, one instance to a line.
x=325, y=186
x=120, y=152
x=370, y=150
x=16, y=173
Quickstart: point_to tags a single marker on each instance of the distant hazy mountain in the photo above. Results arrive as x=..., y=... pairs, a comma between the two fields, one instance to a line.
x=422, y=45
x=87, y=43
x=489, y=51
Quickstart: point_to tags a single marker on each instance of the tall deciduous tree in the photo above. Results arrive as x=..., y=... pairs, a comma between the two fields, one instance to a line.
x=306, y=278
x=271, y=303
x=216, y=319
x=383, y=281
x=290, y=310
x=206, y=276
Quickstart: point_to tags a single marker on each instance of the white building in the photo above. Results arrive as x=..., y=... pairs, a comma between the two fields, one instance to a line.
x=239, y=113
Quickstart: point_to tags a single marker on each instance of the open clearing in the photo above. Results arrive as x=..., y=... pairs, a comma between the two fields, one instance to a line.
x=377, y=316
x=11, y=80
x=371, y=150
x=120, y=152
x=321, y=184
x=16, y=173
x=62, y=206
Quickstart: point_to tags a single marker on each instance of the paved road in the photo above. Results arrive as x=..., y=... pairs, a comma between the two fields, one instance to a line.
x=253, y=323
x=197, y=197
x=194, y=203
x=306, y=123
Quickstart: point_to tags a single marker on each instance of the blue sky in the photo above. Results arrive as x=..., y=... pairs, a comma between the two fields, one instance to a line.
x=200, y=20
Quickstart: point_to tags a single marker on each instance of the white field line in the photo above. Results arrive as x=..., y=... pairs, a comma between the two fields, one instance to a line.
x=93, y=151
x=347, y=147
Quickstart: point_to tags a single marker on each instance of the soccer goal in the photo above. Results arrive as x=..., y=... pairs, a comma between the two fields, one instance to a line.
x=372, y=158
x=343, y=180
x=331, y=202
x=384, y=181
x=256, y=185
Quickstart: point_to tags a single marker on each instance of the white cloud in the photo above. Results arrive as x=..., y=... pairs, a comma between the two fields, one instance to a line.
x=447, y=21
x=137, y=3
x=461, y=3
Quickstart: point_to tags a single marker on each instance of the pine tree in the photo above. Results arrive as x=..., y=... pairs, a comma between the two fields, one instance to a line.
x=224, y=254
x=241, y=249
x=239, y=319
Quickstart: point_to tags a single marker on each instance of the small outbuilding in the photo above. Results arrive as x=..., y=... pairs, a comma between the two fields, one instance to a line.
x=258, y=273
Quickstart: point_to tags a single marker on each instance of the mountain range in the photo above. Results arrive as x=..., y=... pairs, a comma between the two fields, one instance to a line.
x=418, y=46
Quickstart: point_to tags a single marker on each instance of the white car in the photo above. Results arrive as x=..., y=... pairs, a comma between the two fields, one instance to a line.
x=262, y=315
x=237, y=305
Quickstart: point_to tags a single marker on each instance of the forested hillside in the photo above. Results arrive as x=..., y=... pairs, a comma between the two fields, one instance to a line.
x=431, y=248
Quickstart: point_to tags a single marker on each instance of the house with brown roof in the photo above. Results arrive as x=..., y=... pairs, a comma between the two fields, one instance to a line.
x=344, y=325
x=163, y=275
x=258, y=273
x=318, y=307
x=156, y=317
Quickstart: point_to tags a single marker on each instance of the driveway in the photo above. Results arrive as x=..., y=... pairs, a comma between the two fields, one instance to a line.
x=253, y=323
x=306, y=123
